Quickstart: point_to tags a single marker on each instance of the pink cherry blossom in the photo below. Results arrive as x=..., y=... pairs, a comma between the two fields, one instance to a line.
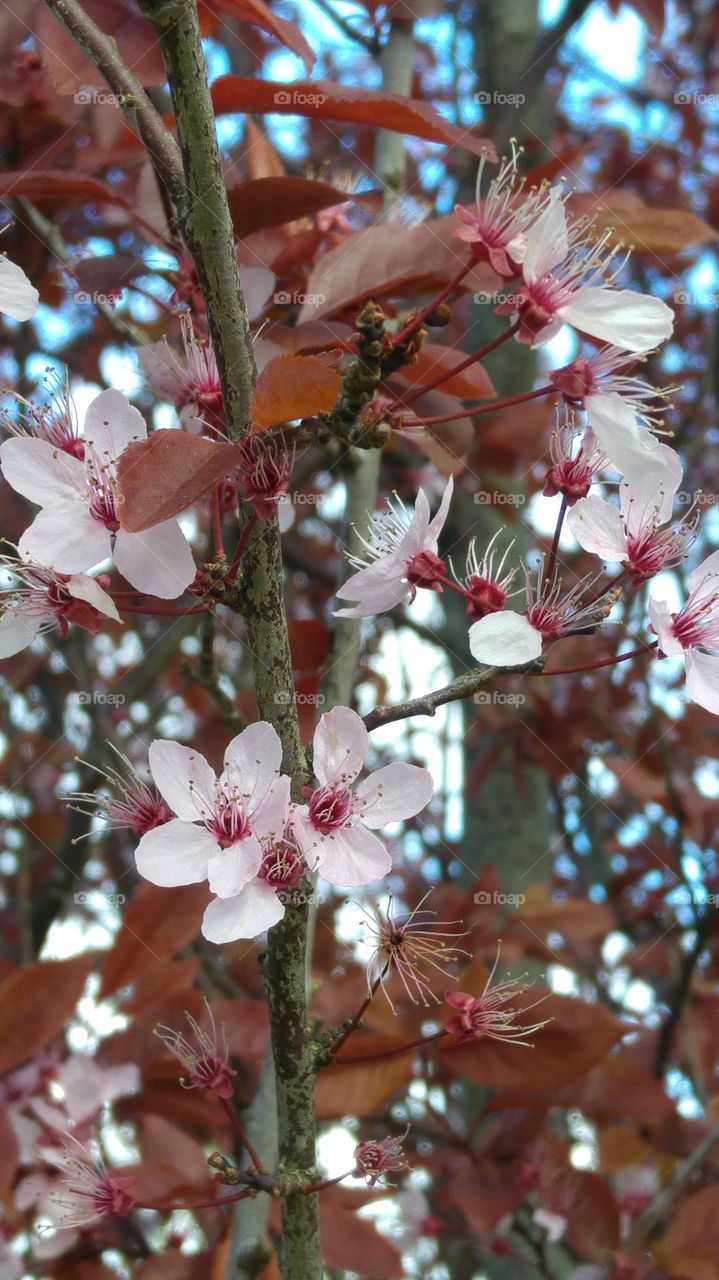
x=567, y=280
x=693, y=633
x=573, y=469
x=337, y=827
x=401, y=555
x=126, y=803
x=88, y=1192
x=190, y=380
x=78, y=525
x=205, y=1057
x=631, y=534
x=55, y=421
x=378, y=1157
x=41, y=600
x=264, y=474
x=496, y=229
x=18, y=297
x=487, y=1015
x=490, y=585
x=216, y=833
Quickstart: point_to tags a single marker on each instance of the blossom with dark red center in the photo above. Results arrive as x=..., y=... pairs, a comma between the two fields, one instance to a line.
x=131, y=804
x=487, y=1016
x=573, y=469
x=411, y=946
x=264, y=474
x=496, y=228
x=88, y=1192
x=39, y=599
x=205, y=1057
x=488, y=584
x=378, y=1157
x=55, y=421
x=693, y=633
x=426, y=570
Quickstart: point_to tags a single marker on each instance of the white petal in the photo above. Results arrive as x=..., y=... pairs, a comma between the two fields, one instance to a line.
x=352, y=857
x=18, y=297
x=632, y=321
x=17, y=630
x=436, y=524
x=253, y=911
x=230, y=869
x=65, y=537
x=393, y=793
x=341, y=743
x=111, y=423
x=705, y=572
x=661, y=620
x=40, y=472
x=160, y=366
x=157, y=561
x=703, y=680
x=257, y=285
x=598, y=528
x=184, y=778
x=252, y=761
x=546, y=243
x=653, y=492
x=630, y=447
x=88, y=589
x=175, y=853
x=504, y=640
x=376, y=589
x=270, y=817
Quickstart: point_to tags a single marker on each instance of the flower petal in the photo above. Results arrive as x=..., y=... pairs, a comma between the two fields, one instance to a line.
x=504, y=639
x=253, y=911
x=661, y=620
x=598, y=528
x=40, y=472
x=436, y=524
x=352, y=857
x=630, y=447
x=18, y=297
x=632, y=321
x=546, y=241
x=111, y=424
x=175, y=853
x=257, y=285
x=65, y=537
x=341, y=743
x=81, y=587
x=184, y=778
x=157, y=561
x=393, y=793
x=18, y=629
x=703, y=680
x=230, y=869
x=706, y=572
x=252, y=762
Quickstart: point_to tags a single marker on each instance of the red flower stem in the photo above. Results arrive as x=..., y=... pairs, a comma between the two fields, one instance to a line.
x=230, y=1110
x=494, y=406
x=549, y=570
x=412, y=326
x=464, y=364
x=391, y=1053
x=217, y=522
x=594, y=666
x=199, y=1204
x=345, y=1035
x=161, y=611
x=241, y=544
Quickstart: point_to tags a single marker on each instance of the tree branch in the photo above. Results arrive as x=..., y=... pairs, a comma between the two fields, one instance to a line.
x=465, y=686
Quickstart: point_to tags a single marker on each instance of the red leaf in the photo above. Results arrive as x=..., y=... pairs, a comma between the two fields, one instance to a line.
x=58, y=184
x=473, y=383
x=273, y=201
x=8, y=1151
x=256, y=13
x=155, y=925
x=293, y=387
x=349, y=1243
x=324, y=100
x=361, y=1087
x=162, y=476
x=35, y=1005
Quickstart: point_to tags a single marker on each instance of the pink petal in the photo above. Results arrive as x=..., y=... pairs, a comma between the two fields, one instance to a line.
x=111, y=423
x=705, y=572
x=18, y=297
x=703, y=680
x=257, y=285
x=252, y=761
x=352, y=857
x=436, y=524
x=632, y=321
x=504, y=640
x=253, y=911
x=630, y=447
x=83, y=588
x=65, y=537
x=40, y=472
x=393, y=793
x=661, y=620
x=376, y=589
x=230, y=869
x=175, y=853
x=653, y=492
x=271, y=815
x=157, y=561
x=598, y=528
x=341, y=743
x=184, y=778
x=17, y=630
x=546, y=242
